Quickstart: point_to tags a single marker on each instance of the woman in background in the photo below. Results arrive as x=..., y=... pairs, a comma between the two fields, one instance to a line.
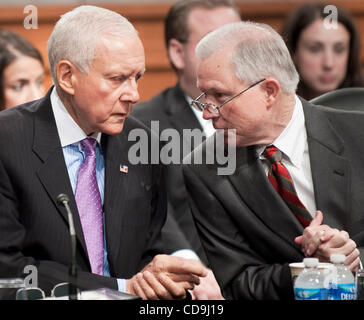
x=21, y=70
x=326, y=58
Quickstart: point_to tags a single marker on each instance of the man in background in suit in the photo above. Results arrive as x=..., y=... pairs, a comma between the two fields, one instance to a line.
x=75, y=141
x=186, y=23
x=297, y=166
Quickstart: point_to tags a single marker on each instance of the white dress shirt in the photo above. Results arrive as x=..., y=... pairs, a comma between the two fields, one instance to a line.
x=292, y=142
x=70, y=135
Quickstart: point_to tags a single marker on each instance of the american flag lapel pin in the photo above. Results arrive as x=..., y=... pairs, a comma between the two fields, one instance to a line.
x=123, y=168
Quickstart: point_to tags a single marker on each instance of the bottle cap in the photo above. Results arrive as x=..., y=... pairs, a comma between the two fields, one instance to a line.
x=337, y=258
x=310, y=262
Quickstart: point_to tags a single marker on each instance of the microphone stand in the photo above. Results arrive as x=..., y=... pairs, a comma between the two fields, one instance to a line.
x=63, y=200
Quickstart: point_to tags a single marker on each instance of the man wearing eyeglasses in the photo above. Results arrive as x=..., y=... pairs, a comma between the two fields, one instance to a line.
x=186, y=23
x=298, y=187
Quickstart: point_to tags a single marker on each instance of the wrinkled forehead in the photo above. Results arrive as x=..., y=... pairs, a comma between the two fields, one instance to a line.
x=122, y=41
x=218, y=67
x=118, y=46
x=119, y=52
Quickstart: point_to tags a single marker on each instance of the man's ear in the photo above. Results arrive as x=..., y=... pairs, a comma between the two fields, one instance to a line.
x=272, y=89
x=176, y=53
x=65, y=76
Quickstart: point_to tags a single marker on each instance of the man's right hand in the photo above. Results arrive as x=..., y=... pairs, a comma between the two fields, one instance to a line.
x=166, y=277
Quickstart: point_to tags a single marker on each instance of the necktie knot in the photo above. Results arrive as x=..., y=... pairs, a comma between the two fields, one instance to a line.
x=88, y=145
x=272, y=154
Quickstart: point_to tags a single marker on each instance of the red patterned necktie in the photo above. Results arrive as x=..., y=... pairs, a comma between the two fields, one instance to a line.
x=282, y=182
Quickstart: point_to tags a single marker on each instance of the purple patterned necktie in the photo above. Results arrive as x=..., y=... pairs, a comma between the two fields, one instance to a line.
x=89, y=206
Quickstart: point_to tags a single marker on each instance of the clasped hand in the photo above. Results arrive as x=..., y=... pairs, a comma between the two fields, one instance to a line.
x=320, y=241
x=166, y=277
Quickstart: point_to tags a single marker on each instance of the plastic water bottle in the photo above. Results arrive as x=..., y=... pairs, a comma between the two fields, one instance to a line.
x=309, y=284
x=342, y=284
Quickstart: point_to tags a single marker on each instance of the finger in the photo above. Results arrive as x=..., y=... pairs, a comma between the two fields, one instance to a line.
x=355, y=265
x=137, y=288
x=327, y=234
x=147, y=289
x=326, y=250
x=352, y=257
x=176, y=289
x=185, y=266
x=191, y=266
x=185, y=278
x=306, y=239
x=313, y=240
x=311, y=248
x=173, y=264
x=346, y=249
x=321, y=257
x=317, y=220
x=158, y=288
x=298, y=240
x=314, y=233
x=339, y=239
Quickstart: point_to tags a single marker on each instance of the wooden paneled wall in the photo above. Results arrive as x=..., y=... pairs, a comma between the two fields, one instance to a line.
x=148, y=20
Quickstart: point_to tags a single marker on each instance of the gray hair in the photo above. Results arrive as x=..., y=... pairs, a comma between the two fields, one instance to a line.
x=259, y=52
x=77, y=32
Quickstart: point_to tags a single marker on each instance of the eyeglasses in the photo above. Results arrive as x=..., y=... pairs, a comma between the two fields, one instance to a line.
x=212, y=108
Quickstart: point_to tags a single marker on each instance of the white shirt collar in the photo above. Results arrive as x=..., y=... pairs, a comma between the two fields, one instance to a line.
x=293, y=138
x=68, y=130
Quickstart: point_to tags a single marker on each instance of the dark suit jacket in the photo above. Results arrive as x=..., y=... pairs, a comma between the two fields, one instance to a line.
x=171, y=109
x=34, y=229
x=247, y=230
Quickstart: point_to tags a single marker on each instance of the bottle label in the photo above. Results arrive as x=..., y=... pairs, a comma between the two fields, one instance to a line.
x=344, y=291
x=310, y=294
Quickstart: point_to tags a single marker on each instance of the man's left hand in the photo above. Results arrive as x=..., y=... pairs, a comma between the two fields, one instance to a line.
x=320, y=241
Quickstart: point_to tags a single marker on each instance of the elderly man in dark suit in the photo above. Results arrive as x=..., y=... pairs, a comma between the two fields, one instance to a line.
x=298, y=187
x=185, y=24
x=75, y=141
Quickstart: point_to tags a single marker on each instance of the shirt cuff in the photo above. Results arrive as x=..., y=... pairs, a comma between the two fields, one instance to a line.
x=186, y=253
x=121, y=285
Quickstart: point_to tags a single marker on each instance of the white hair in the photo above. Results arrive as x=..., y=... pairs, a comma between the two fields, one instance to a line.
x=259, y=52
x=77, y=32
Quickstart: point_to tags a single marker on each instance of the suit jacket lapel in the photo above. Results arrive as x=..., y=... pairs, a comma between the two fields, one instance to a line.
x=329, y=166
x=53, y=173
x=180, y=114
x=116, y=192
x=254, y=188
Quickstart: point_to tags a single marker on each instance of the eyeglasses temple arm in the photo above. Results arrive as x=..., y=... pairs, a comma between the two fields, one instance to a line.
x=237, y=95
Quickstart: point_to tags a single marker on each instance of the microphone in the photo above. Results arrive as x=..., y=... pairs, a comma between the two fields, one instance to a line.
x=63, y=200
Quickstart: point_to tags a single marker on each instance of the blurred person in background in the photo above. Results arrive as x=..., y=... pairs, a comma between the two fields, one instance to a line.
x=21, y=70
x=185, y=24
x=327, y=57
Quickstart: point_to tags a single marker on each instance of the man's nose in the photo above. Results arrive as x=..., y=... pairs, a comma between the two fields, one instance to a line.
x=132, y=94
x=207, y=115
